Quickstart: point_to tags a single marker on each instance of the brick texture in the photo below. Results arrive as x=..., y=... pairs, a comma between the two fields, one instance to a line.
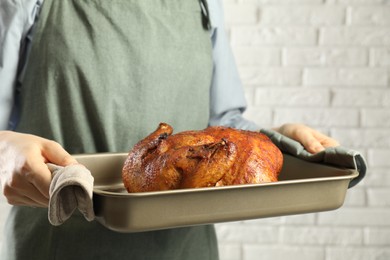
x=325, y=63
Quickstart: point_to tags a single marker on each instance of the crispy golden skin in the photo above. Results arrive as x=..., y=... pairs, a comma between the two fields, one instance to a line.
x=215, y=156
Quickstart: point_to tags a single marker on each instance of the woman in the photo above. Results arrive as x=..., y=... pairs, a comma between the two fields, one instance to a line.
x=100, y=76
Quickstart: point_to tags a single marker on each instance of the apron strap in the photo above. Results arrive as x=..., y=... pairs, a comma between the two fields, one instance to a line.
x=205, y=15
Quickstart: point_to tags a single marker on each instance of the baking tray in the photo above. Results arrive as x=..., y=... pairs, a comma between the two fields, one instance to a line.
x=304, y=187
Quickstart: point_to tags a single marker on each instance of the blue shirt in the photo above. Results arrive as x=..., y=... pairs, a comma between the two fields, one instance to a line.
x=17, y=17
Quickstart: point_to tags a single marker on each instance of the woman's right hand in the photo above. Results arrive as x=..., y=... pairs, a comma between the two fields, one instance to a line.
x=25, y=178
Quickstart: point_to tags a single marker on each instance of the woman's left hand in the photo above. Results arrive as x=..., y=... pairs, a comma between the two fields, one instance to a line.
x=311, y=139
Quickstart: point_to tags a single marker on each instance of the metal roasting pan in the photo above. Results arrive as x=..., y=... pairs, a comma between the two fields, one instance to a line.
x=303, y=188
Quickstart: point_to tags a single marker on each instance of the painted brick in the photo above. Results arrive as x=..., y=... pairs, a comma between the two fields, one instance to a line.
x=302, y=219
x=302, y=15
x=380, y=57
x=379, y=157
x=277, y=252
x=312, y=235
x=292, y=96
x=249, y=95
x=265, y=221
x=386, y=102
x=376, y=117
x=353, y=217
x=355, y=36
x=370, y=138
x=272, y=36
x=257, y=56
x=376, y=236
x=247, y=233
x=240, y=14
x=229, y=251
x=378, y=197
x=271, y=76
x=377, y=177
x=346, y=77
x=357, y=253
x=319, y=56
x=356, y=2
x=355, y=197
x=358, y=97
x=261, y=115
x=370, y=15
x=349, y=59
x=317, y=117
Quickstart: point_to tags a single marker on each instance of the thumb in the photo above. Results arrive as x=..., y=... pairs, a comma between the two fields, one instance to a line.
x=52, y=152
x=56, y=154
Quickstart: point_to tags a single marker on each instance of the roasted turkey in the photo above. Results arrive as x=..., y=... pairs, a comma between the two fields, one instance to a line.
x=215, y=156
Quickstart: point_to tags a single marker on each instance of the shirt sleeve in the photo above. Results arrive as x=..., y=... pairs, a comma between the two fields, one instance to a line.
x=16, y=19
x=227, y=99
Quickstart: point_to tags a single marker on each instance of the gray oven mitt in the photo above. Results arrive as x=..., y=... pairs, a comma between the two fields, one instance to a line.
x=71, y=187
x=338, y=156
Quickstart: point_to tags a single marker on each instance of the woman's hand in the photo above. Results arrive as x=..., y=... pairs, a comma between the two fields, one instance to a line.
x=24, y=176
x=312, y=140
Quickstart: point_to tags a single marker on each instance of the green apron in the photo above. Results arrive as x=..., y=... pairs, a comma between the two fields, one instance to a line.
x=101, y=75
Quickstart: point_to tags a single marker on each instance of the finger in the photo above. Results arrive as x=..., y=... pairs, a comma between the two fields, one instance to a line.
x=29, y=190
x=39, y=176
x=56, y=154
x=24, y=201
x=326, y=141
x=20, y=192
x=314, y=146
x=310, y=142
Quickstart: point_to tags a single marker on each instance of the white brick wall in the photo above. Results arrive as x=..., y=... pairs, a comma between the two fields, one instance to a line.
x=325, y=63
